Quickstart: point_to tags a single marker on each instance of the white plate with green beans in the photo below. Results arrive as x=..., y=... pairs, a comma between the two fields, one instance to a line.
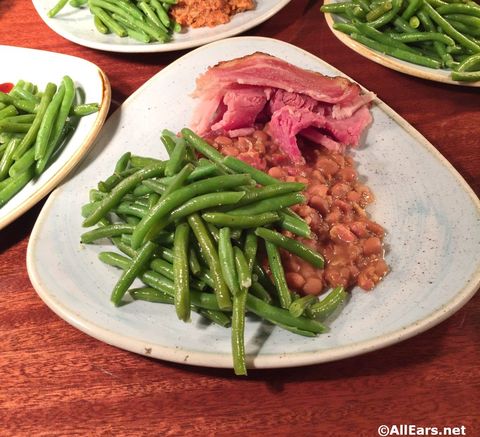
x=135, y=31
x=43, y=133
x=423, y=287
x=430, y=39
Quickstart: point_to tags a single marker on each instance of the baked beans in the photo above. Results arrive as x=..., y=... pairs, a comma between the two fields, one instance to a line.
x=351, y=243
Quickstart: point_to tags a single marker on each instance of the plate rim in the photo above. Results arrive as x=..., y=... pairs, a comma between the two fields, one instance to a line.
x=79, y=153
x=160, y=48
x=272, y=360
x=388, y=61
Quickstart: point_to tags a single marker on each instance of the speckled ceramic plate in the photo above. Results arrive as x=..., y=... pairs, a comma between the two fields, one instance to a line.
x=439, y=75
x=431, y=215
x=77, y=26
x=41, y=67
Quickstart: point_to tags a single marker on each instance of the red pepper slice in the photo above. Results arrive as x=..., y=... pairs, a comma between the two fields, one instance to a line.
x=6, y=87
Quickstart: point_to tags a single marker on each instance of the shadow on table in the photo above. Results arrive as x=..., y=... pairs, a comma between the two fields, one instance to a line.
x=407, y=354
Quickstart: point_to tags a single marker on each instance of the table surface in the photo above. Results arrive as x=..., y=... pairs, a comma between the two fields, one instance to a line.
x=57, y=380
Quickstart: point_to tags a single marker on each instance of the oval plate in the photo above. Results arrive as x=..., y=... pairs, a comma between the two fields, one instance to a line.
x=435, y=214
x=77, y=26
x=40, y=67
x=391, y=62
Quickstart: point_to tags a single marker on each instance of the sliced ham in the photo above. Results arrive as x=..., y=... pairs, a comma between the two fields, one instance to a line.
x=236, y=95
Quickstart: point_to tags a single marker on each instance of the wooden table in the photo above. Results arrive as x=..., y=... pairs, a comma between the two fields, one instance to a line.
x=55, y=380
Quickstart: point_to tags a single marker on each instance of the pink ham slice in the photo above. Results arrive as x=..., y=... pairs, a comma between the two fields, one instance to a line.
x=236, y=94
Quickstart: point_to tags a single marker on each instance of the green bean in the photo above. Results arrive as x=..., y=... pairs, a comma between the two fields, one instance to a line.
x=208, y=249
x=31, y=135
x=115, y=196
x=379, y=10
x=161, y=13
x=206, y=201
x=239, y=166
x=413, y=6
x=149, y=13
x=176, y=158
x=250, y=249
x=149, y=28
x=85, y=109
x=22, y=164
x=467, y=30
x=227, y=261
x=238, y=332
x=336, y=8
x=397, y=53
x=414, y=22
x=217, y=317
x=166, y=254
x=470, y=63
x=129, y=208
x=269, y=205
x=168, y=140
x=450, y=30
x=298, y=306
x=149, y=186
x=240, y=221
x=282, y=316
x=132, y=30
x=459, y=9
x=106, y=232
x=143, y=161
x=57, y=8
x=173, y=200
x=292, y=246
x=106, y=19
x=127, y=8
x=464, y=76
x=150, y=294
x=329, y=304
x=198, y=298
x=402, y=25
x=345, y=28
x=465, y=19
x=139, y=262
x=46, y=126
x=202, y=146
x=388, y=16
x=202, y=172
x=181, y=272
x=113, y=180
x=60, y=123
x=382, y=37
x=122, y=163
x=9, y=111
x=100, y=25
x=295, y=225
x=242, y=268
x=194, y=263
x=24, y=94
x=14, y=186
x=278, y=275
x=8, y=126
x=7, y=158
x=258, y=290
x=5, y=182
x=25, y=118
x=423, y=36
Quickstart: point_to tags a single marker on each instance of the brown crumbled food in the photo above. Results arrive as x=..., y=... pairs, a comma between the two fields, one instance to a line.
x=351, y=243
x=203, y=13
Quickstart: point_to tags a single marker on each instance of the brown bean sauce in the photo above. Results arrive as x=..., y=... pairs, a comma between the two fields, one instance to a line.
x=351, y=243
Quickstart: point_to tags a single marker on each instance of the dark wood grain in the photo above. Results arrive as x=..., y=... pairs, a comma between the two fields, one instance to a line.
x=55, y=380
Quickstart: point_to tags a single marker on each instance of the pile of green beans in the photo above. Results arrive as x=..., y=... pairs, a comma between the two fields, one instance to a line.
x=34, y=125
x=143, y=20
x=195, y=231
x=431, y=33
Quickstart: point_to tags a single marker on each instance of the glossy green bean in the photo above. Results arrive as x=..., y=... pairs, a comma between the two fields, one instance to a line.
x=423, y=36
x=181, y=272
x=25, y=118
x=278, y=275
x=238, y=332
x=173, y=200
x=108, y=21
x=269, y=205
x=299, y=306
x=240, y=221
x=133, y=30
x=177, y=158
x=202, y=146
x=150, y=294
x=292, y=246
x=9, y=111
x=47, y=123
x=24, y=163
x=259, y=291
x=15, y=185
x=239, y=166
x=327, y=306
x=85, y=109
x=106, y=232
x=9, y=126
x=139, y=263
x=411, y=9
x=464, y=76
x=227, y=261
x=100, y=25
x=7, y=157
x=242, y=268
x=57, y=8
x=126, y=185
x=31, y=135
x=471, y=63
x=210, y=252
